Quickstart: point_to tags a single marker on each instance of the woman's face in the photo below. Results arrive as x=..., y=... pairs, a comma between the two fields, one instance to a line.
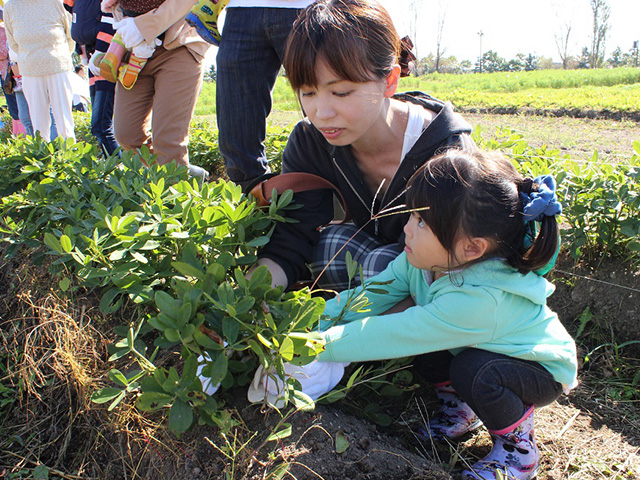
x=344, y=112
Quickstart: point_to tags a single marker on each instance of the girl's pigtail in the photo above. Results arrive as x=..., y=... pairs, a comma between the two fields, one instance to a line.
x=539, y=207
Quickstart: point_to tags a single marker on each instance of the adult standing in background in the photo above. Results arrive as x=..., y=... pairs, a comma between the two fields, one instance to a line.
x=39, y=32
x=248, y=61
x=168, y=85
x=10, y=97
x=93, y=30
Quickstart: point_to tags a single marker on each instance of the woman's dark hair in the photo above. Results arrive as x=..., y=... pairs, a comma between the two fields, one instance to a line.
x=356, y=38
x=477, y=194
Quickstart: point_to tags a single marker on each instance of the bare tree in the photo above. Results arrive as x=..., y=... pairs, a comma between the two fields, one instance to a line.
x=440, y=50
x=601, y=12
x=414, y=7
x=563, y=26
x=562, y=43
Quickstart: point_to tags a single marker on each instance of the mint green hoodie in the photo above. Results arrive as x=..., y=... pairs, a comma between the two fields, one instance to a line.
x=489, y=305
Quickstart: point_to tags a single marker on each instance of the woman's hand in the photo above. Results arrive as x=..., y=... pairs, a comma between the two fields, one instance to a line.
x=108, y=6
x=94, y=62
x=128, y=30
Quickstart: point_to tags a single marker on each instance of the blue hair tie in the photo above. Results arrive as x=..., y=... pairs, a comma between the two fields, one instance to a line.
x=543, y=203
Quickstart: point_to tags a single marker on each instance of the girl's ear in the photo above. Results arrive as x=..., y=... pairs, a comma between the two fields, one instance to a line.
x=392, y=81
x=475, y=248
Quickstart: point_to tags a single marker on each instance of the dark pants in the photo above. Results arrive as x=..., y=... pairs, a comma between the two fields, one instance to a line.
x=102, y=120
x=248, y=61
x=497, y=387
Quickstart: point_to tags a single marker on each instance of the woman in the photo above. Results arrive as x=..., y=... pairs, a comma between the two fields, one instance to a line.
x=39, y=32
x=342, y=60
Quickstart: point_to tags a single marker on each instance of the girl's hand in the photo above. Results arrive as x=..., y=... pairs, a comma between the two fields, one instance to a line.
x=316, y=379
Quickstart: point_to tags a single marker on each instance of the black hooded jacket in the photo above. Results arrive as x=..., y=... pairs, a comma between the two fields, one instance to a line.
x=292, y=244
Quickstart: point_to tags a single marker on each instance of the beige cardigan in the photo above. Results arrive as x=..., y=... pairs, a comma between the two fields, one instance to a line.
x=39, y=32
x=170, y=18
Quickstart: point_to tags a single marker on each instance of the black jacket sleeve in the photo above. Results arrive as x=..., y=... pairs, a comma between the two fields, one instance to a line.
x=291, y=245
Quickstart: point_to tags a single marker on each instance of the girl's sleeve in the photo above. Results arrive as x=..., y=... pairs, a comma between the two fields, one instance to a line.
x=459, y=318
x=381, y=299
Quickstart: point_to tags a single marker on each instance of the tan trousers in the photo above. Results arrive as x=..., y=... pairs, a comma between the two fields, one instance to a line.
x=168, y=86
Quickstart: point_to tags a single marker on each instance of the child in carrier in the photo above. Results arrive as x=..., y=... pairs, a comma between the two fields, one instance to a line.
x=204, y=17
x=478, y=239
x=112, y=67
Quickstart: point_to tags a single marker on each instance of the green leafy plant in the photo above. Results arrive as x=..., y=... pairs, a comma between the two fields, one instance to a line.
x=601, y=201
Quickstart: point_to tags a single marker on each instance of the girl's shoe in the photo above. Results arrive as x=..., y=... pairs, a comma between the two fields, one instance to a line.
x=204, y=17
x=112, y=59
x=514, y=456
x=454, y=417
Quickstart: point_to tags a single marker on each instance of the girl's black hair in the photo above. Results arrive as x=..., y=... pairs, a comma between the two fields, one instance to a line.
x=471, y=193
x=356, y=38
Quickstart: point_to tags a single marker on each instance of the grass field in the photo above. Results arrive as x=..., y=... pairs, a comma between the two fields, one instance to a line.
x=607, y=93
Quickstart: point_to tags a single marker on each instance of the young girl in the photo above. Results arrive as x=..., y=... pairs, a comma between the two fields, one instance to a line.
x=480, y=324
x=342, y=61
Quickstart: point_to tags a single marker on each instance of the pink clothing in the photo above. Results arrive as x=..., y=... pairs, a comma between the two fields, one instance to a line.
x=4, y=52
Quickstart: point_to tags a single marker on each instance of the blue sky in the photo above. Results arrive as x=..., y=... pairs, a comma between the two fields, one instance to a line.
x=509, y=26
x=513, y=26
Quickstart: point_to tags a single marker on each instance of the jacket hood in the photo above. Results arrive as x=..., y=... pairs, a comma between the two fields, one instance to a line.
x=497, y=273
x=445, y=124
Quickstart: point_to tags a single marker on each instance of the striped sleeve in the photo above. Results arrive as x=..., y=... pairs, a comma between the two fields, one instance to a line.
x=106, y=32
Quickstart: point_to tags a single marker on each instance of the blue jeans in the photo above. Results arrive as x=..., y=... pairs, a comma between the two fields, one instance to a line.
x=12, y=103
x=102, y=120
x=497, y=387
x=248, y=61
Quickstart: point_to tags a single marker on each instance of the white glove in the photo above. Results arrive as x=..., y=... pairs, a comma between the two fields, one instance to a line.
x=94, y=62
x=146, y=49
x=316, y=379
x=129, y=32
x=108, y=6
x=207, y=384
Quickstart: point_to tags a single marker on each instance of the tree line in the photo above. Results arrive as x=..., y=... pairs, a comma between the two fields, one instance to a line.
x=591, y=56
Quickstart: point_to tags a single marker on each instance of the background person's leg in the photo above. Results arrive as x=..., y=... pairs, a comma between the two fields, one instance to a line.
x=102, y=119
x=37, y=94
x=23, y=113
x=178, y=79
x=132, y=113
x=248, y=62
x=61, y=98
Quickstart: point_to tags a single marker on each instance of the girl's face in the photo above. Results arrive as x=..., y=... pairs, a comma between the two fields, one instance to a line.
x=344, y=112
x=423, y=248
